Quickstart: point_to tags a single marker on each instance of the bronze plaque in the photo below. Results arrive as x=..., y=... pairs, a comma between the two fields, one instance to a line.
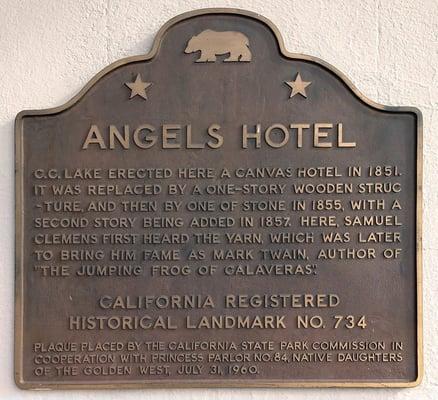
x=219, y=212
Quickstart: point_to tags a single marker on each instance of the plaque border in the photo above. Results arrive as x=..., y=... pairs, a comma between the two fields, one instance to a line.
x=206, y=383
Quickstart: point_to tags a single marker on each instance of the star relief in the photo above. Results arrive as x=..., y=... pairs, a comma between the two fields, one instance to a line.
x=138, y=87
x=298, y=86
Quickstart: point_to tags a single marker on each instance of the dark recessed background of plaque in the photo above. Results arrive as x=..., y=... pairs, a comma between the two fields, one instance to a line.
x=230, y=94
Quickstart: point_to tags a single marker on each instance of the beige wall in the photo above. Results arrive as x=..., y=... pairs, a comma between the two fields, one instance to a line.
x=389, y=49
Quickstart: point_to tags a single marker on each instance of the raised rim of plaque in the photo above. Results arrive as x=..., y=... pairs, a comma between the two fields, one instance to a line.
x=19, y=193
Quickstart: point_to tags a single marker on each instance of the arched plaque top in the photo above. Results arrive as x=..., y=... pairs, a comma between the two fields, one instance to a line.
x=216, y=37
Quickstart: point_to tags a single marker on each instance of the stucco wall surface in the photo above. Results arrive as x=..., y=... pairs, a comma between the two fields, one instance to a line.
x=50, y=48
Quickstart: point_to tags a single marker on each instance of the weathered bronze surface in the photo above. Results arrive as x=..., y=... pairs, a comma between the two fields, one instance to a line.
x=219, y=212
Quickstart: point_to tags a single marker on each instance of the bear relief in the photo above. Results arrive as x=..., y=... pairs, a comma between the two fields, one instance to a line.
x=212, y=43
